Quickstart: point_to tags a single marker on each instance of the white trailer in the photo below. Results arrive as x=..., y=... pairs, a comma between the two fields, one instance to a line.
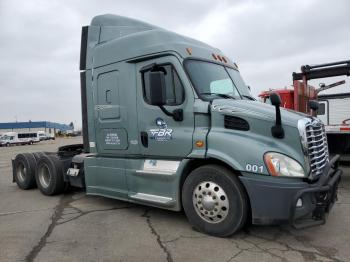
x=334, y=111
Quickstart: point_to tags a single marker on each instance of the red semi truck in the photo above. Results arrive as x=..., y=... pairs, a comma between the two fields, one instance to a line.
x=333, y=110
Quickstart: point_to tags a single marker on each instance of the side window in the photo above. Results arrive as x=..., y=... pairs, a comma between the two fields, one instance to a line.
x=174, y=88
x=321, y=109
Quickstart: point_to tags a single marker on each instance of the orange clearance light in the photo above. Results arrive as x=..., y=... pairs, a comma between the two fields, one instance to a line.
x=224, y=59
x=199, y=143
x=189, y=50
x=235, y=65
x=219, y=57
x=214, y=56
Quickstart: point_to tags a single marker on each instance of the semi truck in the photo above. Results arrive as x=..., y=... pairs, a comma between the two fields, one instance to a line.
x=169, y=122
x=332, y=109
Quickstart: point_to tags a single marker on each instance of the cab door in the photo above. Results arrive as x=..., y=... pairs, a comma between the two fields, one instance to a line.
x=160, y=135
x=116, y=137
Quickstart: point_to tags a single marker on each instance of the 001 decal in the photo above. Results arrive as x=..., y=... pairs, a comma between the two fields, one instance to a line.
x=162, y=133
x=254, y=168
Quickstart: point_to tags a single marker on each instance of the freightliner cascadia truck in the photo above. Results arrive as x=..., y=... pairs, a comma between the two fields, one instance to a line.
x=168, y=122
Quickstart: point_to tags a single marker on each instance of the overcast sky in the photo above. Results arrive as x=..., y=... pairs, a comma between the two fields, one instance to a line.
x=40, y=44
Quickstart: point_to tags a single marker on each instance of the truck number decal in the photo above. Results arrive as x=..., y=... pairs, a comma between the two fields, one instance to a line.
x=254, y=168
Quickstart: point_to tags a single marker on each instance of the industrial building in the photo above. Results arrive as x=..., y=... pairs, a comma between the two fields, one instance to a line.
x=49, y=128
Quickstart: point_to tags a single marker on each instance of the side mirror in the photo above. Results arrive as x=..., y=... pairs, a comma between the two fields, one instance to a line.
x=275, y=99
x=277, y=130
x=157, y=88
x=157, y=94
x=313, y=105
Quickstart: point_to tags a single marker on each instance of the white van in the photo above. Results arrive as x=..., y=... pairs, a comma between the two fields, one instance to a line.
x=8, y=139
x=45, y=136
x=28, y=137
x=14, y=138
x=42, y=136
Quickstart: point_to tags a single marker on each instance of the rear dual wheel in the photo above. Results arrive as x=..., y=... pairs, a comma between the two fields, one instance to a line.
x=214, y=200
x=24, y=170
x=43, y=170
x=49, y=175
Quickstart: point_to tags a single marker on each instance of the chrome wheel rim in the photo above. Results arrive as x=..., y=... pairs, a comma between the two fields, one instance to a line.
x=21, y=172
x=44, y=176
x=210, y=202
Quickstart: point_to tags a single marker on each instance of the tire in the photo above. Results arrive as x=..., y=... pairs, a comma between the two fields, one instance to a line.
x=37, y=155
x=49, y=175
x=24, y=170
x=218, y=192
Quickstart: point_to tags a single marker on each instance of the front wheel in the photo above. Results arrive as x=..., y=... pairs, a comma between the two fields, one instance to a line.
x=214, y=200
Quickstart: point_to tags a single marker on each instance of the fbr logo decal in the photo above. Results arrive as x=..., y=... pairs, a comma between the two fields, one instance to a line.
x=161, y=123
x=162, y=133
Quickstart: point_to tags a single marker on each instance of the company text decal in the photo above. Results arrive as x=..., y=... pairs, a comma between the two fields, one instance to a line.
x=112, y=139
x=162, y=133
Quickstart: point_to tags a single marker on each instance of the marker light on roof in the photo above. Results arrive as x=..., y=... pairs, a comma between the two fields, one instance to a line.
x=189, y=50
x=219, y=57
x=214, y=56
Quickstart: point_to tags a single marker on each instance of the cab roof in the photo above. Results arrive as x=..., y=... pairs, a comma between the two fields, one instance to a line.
x=113, y=38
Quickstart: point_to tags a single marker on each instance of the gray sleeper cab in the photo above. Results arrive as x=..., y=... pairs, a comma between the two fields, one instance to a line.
x=169, y=122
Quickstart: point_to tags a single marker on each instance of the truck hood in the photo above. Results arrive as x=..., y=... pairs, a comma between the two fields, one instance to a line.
x=255, y=109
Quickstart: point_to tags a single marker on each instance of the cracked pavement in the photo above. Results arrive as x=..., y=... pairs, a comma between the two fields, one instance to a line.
x=76, y=227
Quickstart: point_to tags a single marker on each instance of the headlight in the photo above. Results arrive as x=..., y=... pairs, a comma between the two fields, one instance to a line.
x=281, y=165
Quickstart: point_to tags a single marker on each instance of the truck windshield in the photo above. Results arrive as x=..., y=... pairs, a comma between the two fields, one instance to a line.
x=216, y=81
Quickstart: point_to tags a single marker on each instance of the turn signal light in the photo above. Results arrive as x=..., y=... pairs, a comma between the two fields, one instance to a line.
x=199, y=143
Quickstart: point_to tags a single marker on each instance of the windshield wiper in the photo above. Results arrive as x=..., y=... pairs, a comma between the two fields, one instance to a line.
x=220, y=95
x=249, y=97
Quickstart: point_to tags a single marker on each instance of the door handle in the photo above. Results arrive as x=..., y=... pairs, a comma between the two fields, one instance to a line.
x=108, y=96
x=144, y=139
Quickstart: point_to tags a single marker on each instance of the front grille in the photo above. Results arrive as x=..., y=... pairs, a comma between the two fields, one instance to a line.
x=317, y=147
